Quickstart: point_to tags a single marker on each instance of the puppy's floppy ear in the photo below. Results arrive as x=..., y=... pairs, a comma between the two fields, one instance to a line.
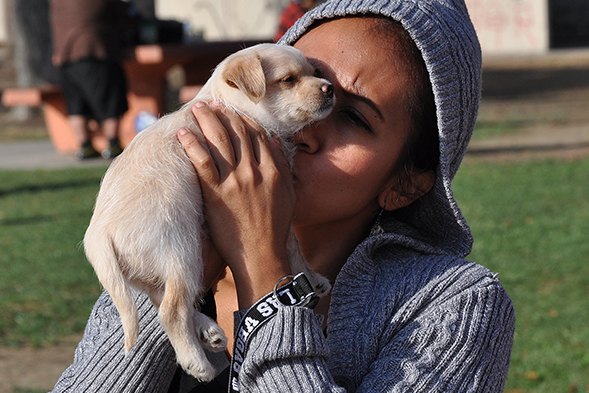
x=246, y=74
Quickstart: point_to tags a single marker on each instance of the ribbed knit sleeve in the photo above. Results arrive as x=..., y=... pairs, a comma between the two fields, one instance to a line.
x=288, y=354
x=430, y=324
x=100, y=364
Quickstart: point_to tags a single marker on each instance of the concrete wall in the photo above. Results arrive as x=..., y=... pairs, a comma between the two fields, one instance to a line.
x=504, y=26
x=4, y=32
x=225, y=19
x=511, y=26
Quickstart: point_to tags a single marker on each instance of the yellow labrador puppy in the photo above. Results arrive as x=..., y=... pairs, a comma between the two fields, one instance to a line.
x=147, y=228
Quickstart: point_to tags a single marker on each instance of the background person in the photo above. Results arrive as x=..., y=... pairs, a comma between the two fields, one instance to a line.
x=87, y=51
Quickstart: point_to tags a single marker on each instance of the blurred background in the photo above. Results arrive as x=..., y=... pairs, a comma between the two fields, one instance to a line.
x=524, y=186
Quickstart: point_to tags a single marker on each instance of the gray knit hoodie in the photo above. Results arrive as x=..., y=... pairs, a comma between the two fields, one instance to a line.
x=408, y=313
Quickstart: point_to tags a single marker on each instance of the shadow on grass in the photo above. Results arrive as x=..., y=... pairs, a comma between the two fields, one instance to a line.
x=27, y=220
x=481, y=151
x=528, y=83
x=55, y=186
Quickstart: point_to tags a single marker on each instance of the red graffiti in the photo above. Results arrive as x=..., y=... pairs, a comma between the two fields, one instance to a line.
x=507, y=21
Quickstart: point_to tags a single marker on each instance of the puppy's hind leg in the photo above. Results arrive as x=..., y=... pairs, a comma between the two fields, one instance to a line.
x=176, y=314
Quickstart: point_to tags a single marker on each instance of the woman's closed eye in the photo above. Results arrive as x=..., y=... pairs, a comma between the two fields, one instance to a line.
x=355, y=119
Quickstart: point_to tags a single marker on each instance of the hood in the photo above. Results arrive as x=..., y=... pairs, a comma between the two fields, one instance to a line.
x=444, y=34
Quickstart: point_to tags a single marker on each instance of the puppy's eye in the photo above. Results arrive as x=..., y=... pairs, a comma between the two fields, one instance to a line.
x=289, y=79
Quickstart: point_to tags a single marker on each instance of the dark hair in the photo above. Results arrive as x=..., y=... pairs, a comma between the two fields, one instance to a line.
x=421, y=152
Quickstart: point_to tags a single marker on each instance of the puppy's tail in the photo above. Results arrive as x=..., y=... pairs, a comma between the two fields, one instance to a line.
x=103, y=256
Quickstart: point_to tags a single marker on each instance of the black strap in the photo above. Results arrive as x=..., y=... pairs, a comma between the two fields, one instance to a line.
x=297, y=292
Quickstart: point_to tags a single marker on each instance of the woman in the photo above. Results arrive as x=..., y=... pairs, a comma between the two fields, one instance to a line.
x=374, y=213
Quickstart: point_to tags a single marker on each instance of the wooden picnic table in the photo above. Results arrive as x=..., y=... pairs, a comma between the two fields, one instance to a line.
x=145, y=67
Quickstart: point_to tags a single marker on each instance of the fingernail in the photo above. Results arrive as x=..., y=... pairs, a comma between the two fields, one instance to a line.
x=200, y=104
x=182, y=131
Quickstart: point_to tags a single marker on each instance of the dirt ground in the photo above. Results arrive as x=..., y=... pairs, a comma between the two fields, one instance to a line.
x=544, y=98
x=32, y=370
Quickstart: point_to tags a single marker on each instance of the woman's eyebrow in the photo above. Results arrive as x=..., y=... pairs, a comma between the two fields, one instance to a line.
x=365, y=100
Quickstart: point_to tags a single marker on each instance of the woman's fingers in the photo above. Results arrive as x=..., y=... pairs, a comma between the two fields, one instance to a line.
x=229, y=143
x=249, y=201
x=199, y=155
x=236, y=130
x=219, y=139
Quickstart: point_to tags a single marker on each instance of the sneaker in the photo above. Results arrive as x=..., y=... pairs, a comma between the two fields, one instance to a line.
x=113, y=150
x=86, y=151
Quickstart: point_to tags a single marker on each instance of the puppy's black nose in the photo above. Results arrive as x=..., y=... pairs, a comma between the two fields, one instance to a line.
x=327, y=89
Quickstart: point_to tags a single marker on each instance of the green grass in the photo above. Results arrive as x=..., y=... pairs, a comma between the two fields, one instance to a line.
x=531, y=224
x=46, y=286
x=497, y=129
x=530, y=221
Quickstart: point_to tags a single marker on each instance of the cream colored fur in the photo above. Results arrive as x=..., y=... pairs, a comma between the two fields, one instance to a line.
x=147, y=228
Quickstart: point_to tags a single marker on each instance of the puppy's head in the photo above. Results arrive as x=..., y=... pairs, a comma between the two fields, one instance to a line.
x=275, y=86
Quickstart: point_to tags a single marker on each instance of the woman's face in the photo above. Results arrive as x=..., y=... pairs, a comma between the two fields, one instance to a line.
x=345, y=163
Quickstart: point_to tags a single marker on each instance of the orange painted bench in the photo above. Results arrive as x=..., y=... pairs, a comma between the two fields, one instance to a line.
x=187, y=93
x=50, y=98
x=145, y=67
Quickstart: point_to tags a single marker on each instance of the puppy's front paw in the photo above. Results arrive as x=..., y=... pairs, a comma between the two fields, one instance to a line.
x=210, y=335
x=213, y=338
x=321, y=285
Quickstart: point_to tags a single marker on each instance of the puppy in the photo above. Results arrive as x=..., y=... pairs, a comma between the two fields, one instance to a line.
x=147, y=228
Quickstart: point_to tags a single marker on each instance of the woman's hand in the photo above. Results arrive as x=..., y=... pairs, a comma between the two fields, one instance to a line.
x=248, y=195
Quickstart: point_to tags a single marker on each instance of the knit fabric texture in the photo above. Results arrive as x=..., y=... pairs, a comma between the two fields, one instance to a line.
x=444, y=34
x=399, y=322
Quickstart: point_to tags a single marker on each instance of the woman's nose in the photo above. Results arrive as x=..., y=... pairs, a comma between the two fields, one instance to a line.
x=308, y=140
